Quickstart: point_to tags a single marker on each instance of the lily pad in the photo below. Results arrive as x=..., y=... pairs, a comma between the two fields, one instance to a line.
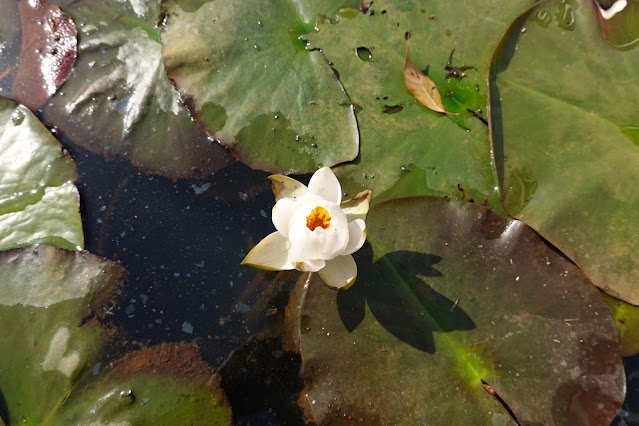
x=567, y=169
x=627, y=321
x=38, y=201
x=250, y=83
x=401, y=140
x=457, y=311
x=47, y=53
x=50, y=303
x=118, y=100
x=45, y=293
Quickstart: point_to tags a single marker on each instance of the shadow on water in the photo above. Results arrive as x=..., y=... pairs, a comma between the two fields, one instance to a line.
x=396, y=289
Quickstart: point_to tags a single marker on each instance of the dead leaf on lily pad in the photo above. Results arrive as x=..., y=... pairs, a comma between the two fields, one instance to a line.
x=422, y=87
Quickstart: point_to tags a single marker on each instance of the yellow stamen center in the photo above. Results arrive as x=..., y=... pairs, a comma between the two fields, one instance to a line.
x=318, y=217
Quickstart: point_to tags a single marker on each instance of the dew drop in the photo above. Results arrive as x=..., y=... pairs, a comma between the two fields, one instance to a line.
x=17, y=117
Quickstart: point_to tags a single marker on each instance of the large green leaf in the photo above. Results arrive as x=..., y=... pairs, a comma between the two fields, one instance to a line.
x=45, y=293
x=119, y=102
x=407, y=149
x=250, y=82
x=453, y=303
x=50, y=303
x=566, y=139
x=38, y=201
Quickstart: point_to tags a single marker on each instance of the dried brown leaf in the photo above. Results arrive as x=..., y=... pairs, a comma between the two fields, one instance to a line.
x=422, y=87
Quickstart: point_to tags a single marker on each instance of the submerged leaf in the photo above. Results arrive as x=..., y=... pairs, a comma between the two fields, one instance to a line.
x=422, y=87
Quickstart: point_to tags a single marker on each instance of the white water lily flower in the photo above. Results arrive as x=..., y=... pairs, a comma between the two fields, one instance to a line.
x=316, y=232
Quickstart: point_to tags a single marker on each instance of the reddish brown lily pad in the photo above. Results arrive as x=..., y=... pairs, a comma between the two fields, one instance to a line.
x=47, y=54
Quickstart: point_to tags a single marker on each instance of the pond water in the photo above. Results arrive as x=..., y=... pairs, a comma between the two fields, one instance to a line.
x=181, y=242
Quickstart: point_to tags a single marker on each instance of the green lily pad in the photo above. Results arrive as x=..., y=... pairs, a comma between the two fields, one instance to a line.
x=167, y=384
x=407, y=149
x=50, y=303
x=38, y=201
x=564, y=127
x=250, y=83
x=627, y=321
x=44, y=295
x=119, y=102
x=453, y=307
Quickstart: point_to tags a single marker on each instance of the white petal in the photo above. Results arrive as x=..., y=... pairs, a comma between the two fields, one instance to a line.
x=325, y=184
x=271, y=254
x=282, y=213
x=310, y=265
x=356, y=236
x=320, y=243
x=339, y=272
x=357, y=207
x=286, y=187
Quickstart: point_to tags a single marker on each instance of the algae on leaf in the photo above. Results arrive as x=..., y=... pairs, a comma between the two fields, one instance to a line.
x=38, y=201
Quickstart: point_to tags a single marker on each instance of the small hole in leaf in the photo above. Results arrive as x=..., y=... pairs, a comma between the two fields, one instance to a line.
x=364, y=54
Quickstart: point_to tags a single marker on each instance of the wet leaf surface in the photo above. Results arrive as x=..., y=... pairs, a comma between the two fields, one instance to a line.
x=38, y=201
x=454, y=303
x=50, y=304
x=439, y=155
x=250, y=82
x=48, y=51
x=119, y=102
x=568, y=169
x=619, y=22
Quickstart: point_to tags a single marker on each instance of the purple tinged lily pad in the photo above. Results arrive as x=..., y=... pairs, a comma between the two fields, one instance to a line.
x=47, y=54
x=453, y=307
